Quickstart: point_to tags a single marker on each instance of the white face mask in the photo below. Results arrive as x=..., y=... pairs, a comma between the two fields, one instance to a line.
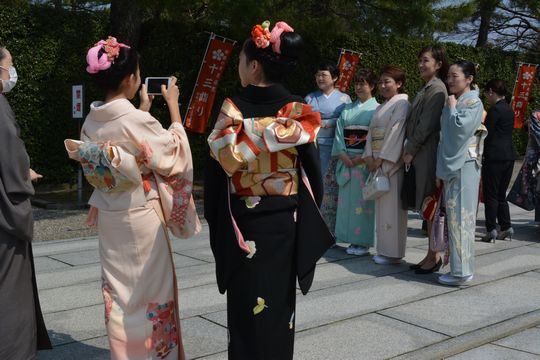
x=7, y=85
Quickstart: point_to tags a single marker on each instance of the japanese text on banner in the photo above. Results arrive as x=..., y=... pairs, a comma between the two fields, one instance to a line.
x=522, y=91
x=348, y=62
x=214, y=63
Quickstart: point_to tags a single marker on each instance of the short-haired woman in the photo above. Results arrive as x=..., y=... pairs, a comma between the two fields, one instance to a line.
x=355, y=219
x=22, y=330
x=383, y=152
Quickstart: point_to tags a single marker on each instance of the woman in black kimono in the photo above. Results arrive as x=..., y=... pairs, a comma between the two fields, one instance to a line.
x=22, y=330
x=265, y=227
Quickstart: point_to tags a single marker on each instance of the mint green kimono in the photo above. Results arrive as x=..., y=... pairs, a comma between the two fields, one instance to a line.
x=355, y=218
x=458, y=165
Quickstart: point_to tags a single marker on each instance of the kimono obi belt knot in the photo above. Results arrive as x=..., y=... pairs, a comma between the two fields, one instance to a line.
x=269, y=174
x=259, y=154
x=100, y=170
x=377, y=138
x=476, y=144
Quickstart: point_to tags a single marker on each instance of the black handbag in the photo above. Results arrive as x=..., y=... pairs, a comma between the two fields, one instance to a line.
x=408, y=188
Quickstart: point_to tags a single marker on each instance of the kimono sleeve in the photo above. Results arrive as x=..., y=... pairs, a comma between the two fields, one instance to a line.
x=339, y=145
x=167, y=152
x=367, y=150
x=14, y=166
x=427, y=123
x=395, y=132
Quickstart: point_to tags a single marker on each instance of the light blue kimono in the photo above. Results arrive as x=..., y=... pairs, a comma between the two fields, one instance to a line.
x=355, y=219
x=330, y=107
x=458, y=165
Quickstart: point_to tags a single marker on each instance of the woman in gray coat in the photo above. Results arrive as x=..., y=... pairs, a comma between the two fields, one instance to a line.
x=422, y=136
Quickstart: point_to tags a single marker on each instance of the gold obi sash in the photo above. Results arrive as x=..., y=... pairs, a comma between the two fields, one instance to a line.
x=269, y=174
x=377, y=138
x=259, y=154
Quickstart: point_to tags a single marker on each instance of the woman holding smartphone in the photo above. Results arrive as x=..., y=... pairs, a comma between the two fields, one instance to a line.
x=142, y=178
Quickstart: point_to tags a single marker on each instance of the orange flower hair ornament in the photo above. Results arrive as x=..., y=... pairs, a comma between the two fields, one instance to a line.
x=260, y=34
x=111, y=49
x=263, y=37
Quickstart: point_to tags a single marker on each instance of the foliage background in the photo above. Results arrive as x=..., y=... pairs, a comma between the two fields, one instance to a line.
x=49, y=47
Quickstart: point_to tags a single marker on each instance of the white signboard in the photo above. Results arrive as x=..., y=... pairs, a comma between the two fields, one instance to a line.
x=77, y=94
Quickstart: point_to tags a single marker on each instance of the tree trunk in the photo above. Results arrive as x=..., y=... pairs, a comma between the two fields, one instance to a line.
x=126, y=20
x=486, y=8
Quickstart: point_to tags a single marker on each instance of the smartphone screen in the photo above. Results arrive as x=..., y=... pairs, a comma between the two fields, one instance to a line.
x=153, y=84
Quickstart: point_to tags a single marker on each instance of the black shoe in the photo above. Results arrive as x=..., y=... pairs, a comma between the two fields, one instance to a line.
x=415, y=266
x=435, y=267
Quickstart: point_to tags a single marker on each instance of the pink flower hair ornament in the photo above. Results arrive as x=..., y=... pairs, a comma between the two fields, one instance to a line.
x=111, y=49
x=275, y=35
x=263, y=37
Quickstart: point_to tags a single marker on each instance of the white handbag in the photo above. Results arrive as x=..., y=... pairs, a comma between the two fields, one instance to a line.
x=376, y=185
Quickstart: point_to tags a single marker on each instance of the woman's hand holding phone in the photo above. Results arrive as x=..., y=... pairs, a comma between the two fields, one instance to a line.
x=146, y=100
x=171, y=95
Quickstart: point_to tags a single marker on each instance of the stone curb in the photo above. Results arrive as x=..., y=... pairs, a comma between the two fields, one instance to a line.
x=474, y=338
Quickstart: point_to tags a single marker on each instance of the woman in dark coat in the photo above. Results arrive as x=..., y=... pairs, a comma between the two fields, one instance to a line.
x=265, y=228
x=422, y=137
x=22, y=330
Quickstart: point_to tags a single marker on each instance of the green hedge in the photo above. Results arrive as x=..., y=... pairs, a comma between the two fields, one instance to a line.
x=49, y=47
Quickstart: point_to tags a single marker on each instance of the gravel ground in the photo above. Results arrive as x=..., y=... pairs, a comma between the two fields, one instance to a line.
x=60, y=224
x=68, y=224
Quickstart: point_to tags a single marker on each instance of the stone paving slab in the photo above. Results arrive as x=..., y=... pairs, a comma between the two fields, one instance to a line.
x=201, y=300
x=358, y=268
x=93, y=349
x=218, y=356
x=494, y=352
x=84, y=257
x=46, y=264
x=471, y=308
x=528, y=340
x=352, y=300
x=370, y=336
x=71, y=297
x=202, y=254
x=197, y=275
x=70, y=276
x=202, y=337
x=181, y=261
x=76, y=324
x=506, y=263
x=63, y=246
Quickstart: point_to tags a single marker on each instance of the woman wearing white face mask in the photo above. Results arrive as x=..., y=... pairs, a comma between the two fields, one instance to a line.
x=22, y=329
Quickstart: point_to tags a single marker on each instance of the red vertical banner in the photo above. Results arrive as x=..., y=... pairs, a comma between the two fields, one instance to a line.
x=348, y=62
x=522, y=90
x=215, y=60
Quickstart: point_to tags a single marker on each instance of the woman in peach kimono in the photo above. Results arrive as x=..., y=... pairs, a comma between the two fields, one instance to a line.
x=383, y=153
x=142, y=175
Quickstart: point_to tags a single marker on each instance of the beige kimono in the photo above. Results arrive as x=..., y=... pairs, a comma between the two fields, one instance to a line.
x=385, y=141
x=142, y=175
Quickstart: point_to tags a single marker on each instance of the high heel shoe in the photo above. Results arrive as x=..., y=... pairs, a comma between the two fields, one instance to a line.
x=492, y=235
x=435, y=267
x=508, y=233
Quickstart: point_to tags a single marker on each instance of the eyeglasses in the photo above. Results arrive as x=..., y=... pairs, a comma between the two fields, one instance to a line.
x=322, y=75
